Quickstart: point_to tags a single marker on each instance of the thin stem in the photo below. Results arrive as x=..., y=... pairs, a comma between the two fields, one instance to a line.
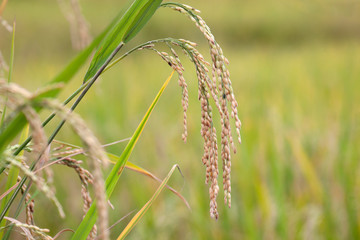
x=162, y=40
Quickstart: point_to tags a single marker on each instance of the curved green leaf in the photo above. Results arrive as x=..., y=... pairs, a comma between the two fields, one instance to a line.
x=143, y=210
x=123, y=31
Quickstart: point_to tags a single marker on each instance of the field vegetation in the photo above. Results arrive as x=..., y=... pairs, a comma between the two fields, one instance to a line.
x=295, y=70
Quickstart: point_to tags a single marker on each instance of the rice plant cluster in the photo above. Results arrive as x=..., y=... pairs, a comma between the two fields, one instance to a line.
x=21, y=108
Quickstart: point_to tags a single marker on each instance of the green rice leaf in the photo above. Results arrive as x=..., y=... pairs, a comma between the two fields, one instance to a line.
x=138, y=14
x=143, y=210
x=142, y=18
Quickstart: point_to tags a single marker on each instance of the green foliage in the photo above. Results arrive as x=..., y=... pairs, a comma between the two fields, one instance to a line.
x=130, y=24
x=123, y=31
x=18, y=122
x=295, y=175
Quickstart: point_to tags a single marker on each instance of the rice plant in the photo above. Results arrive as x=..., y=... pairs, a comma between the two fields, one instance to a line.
x=29, y=163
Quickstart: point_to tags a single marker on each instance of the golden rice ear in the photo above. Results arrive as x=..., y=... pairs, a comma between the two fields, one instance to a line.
x=219, y=88
x=175, y=63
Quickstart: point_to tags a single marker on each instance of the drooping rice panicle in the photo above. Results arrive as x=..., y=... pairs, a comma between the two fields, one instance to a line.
x=220, y=88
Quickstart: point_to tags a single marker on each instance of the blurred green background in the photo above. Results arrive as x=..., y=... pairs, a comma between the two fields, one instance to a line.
x=295, y=68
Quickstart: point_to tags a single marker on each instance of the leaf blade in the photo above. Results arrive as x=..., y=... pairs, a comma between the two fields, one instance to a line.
x=119, y=165
x=131, y=166
x=135, y=17
x=89, y=220
x=144, y=209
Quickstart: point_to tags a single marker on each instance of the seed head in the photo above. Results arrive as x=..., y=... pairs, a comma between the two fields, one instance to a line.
x=219, y=88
